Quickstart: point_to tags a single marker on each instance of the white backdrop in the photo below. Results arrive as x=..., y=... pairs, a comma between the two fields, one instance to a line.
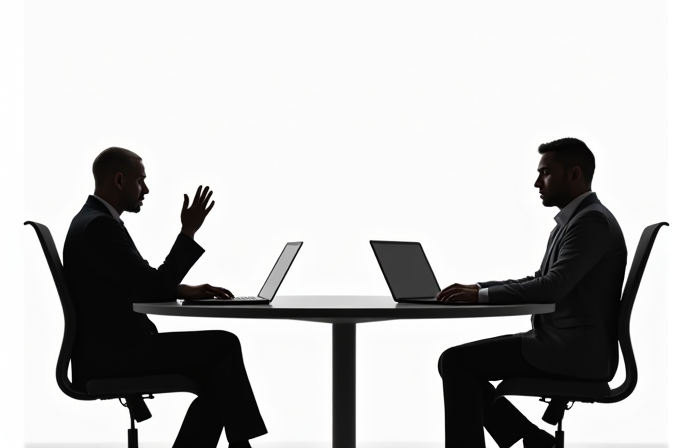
x=336, y=123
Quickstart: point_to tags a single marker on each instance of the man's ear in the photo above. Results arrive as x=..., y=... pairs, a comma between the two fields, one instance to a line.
x=576, y=173
x=118, y=180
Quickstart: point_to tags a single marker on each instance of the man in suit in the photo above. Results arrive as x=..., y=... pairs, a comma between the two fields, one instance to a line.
x=106, y=275
x=581, y=273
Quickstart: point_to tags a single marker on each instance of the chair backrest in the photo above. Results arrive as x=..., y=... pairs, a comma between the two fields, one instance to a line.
x=637, y=268
x=54, y=262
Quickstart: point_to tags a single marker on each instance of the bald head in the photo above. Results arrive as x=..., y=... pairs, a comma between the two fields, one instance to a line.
x=111, y=161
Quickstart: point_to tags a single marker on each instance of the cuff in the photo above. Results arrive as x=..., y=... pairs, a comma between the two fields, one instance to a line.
x=483, y=294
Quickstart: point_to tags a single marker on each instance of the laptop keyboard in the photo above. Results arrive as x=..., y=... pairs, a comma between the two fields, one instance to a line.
x=247, y=298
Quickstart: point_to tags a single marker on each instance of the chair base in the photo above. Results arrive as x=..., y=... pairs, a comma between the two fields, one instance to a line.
x=132, y=438
x=559, y=439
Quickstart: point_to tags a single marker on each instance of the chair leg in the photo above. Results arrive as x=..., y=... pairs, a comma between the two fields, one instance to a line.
x=559, y=436
x=133, y=442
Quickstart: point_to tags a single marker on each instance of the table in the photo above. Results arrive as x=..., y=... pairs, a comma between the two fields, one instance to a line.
x=343, y=312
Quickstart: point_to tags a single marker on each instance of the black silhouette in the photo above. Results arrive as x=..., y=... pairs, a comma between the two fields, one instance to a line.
x=561, y=392
x=582, y=273
x=131, y=389
x=105, y=275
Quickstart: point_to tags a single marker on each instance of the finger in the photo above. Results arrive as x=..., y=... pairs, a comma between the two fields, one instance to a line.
x=452, y=287
x=450, y=290
x=186, y=202
x=204, y=194
x=444, y=291
x=447, y=290
x=217, y=292
x=197, y=195
x=210, y=208
x=224, y=292
x=206, y=200
x=457, y=296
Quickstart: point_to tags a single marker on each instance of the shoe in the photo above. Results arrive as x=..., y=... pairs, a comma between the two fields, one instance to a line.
x=539, y=439
x=241, y=444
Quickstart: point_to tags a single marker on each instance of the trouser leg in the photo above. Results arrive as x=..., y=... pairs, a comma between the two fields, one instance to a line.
x=201, y=427
x=213, y=359
x=238, y=407
x=469, y=396
x=463, y=410
x=504, y=422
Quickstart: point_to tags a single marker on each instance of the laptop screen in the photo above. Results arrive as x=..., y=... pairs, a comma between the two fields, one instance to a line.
x=281, y=267
x=406, y=270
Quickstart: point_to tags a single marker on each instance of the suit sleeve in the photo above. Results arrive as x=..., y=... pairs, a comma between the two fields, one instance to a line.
x=586, y=241
x=115, y=258
x=491, y=283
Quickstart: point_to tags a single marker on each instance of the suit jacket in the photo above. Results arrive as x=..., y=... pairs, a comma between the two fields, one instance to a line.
x=582, y=273
x=106, y=275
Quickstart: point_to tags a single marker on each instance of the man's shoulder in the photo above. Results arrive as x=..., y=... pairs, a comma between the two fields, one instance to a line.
x=596, y=210
x=91, y=216
x=596, y=216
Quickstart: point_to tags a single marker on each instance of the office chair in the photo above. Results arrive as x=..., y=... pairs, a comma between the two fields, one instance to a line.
x=561, y=392
x=131, y=389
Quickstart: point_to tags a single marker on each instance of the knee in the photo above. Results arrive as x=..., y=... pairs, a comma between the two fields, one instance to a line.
x=446, y=362
x=452, y=362
x=225, y=340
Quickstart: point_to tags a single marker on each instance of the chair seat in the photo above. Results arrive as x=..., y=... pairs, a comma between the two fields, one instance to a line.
x=585, y=391
x=137, y=385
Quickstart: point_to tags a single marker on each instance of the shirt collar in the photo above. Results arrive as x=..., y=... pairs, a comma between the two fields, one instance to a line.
x=565, y=214
x=112, y=210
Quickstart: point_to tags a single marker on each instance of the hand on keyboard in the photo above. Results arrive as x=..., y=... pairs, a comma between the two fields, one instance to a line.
x=204, y=291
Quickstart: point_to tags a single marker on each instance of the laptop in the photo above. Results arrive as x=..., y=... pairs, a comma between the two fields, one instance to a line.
x=408, y=272
x=270, y=287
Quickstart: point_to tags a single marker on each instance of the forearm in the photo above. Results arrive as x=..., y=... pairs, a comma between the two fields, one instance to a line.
x=161, y=285
x=114, y=256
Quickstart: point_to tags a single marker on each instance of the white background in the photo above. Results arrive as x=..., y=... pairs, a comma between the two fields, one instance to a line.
x=335, y=123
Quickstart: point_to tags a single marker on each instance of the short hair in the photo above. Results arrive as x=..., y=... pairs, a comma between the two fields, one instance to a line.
x=111, y=161
x=571, y=152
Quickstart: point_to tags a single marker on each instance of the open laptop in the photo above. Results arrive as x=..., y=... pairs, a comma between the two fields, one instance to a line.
x=408, y=272
x=271, y=285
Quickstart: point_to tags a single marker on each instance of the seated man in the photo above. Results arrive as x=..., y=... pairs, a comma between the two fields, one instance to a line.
x=581, y=273
x=106, y=275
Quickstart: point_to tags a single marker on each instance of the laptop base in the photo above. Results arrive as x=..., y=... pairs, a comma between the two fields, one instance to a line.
x=435, y=302
x=225, y=302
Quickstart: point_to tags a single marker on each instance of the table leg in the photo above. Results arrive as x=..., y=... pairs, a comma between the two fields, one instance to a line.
x=344, y=385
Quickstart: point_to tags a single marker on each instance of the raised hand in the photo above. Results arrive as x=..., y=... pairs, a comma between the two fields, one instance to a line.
x=193, y=217
x=459, y=293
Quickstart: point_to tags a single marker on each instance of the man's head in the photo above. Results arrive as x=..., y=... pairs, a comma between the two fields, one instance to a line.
x=119, y=179
x=565, y=171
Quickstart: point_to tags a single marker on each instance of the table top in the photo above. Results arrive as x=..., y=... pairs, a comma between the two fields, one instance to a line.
x=341, y=309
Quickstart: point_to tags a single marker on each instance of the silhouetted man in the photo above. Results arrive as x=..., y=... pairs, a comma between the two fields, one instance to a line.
x=106, y=275
x=581, y=273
